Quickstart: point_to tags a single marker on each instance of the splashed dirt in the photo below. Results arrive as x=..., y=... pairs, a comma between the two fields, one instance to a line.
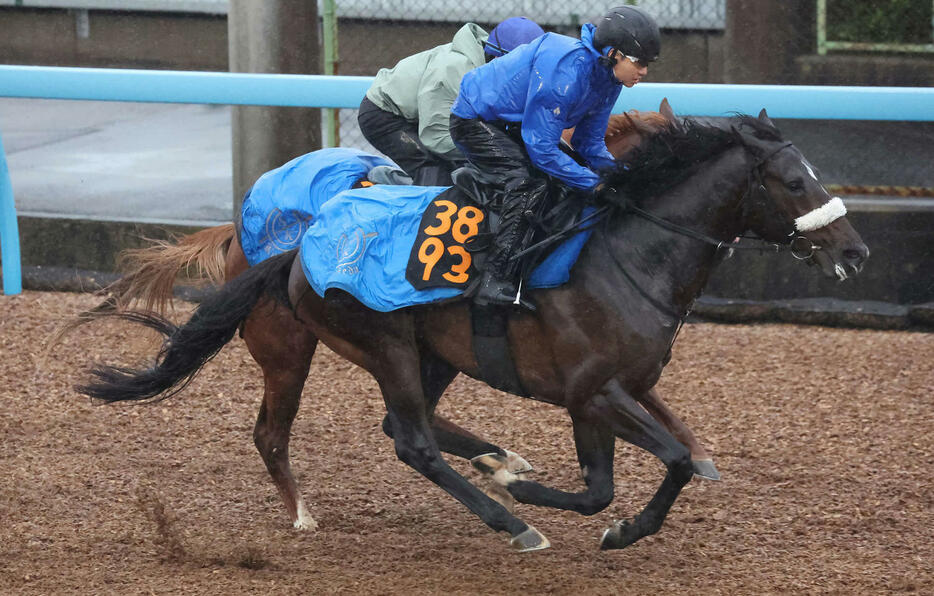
x=823, y=437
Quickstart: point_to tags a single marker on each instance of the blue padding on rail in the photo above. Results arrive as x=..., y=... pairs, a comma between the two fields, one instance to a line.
x=172, y=86
x=9, y=231
x=785, y=101
x=781, y=101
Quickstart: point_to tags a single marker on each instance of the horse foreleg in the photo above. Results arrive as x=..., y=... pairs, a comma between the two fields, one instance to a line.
x=401, y=384
x=285, y=359
x=630, y=422
x=700, y=460
x=451, y=438
x=595, y=445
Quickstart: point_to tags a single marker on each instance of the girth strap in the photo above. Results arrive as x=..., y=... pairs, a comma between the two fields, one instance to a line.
x=491, y=348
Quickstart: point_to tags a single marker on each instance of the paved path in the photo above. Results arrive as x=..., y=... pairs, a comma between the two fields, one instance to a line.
x=122, y=161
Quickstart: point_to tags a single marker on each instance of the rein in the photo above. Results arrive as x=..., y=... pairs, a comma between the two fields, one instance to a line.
x=584, y=223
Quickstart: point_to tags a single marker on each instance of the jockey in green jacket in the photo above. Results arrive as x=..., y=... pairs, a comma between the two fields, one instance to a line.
x=406, y=111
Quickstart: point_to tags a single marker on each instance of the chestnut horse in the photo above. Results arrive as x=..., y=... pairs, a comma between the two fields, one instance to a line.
x=596, y=345
x=215, y=255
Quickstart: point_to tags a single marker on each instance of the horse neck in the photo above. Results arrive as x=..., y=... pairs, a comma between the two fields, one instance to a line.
x=671, y=267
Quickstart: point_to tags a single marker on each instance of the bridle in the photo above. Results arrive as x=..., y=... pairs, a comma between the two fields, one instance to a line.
x=755, y=184
x=799, y=246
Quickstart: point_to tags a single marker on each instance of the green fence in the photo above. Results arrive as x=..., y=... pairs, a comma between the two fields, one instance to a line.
x=875, y=26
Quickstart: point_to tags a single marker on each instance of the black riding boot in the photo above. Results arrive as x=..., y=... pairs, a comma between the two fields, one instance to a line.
x=498, y=287
x=499, y=283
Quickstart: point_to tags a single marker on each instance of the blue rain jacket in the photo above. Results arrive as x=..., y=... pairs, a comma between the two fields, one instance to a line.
x=553, y=83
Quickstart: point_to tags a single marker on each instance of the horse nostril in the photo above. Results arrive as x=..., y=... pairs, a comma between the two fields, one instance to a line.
x=855, y=256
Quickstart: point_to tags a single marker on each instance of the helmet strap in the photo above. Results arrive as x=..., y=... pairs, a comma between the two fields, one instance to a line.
x=609, y=61
x=489, y=44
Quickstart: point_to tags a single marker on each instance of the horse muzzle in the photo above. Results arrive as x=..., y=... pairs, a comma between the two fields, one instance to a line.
x=825, y=237
x=841, y=263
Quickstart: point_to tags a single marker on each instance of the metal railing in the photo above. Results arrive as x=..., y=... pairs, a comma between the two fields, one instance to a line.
x=318, y=91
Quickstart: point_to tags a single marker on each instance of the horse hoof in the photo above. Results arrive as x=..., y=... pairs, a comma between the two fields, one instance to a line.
x=489, y=463
x=705, y=469
x=610, y=536
x=619, y=535
x=306, y=523
x=529, y=540
x=516, y=464
x=494, y=465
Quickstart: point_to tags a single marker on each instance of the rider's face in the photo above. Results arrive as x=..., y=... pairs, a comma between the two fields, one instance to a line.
x=629, y=72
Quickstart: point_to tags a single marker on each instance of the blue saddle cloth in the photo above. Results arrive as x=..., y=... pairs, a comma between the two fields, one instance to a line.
x=362, y=240
x=281, y=204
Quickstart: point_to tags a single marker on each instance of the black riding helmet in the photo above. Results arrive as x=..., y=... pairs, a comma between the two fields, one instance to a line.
x=629, y=30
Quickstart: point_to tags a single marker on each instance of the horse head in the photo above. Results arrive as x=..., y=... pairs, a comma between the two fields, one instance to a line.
x=626, y=131
x=785, y=202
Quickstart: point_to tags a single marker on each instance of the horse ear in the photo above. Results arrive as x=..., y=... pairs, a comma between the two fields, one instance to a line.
x=744, y=141
x=665, y=110
x=765, y=118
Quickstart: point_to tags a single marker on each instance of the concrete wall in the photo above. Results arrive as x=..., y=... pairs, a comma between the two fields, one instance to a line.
x=855, y=69
x=894, y=291
x=755, y=51
x=50, y=37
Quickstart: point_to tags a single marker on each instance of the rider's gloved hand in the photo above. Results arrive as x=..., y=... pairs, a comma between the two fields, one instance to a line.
x=612, y=195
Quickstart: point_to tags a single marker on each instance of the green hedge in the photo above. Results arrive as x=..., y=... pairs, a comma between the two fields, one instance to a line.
x=879, y=21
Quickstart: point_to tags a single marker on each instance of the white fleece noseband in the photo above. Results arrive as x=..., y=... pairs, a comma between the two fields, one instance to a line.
x=824, y=215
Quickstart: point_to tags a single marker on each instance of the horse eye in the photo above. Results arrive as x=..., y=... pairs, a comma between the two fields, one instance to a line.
x=795, y=185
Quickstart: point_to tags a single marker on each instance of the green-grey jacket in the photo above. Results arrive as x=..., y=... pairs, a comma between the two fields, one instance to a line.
x=422, y=87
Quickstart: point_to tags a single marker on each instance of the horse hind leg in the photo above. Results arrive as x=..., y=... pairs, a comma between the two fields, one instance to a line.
x=283, y=349
x=460, y=442
x=630, y=422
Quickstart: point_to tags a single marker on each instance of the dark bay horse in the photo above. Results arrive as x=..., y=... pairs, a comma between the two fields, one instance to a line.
x=215, y=255
x=596, y=345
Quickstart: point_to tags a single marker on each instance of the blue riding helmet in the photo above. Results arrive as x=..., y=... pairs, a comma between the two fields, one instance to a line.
x=510, y=34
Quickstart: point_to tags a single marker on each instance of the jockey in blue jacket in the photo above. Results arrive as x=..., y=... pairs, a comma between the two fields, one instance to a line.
x=534, y=93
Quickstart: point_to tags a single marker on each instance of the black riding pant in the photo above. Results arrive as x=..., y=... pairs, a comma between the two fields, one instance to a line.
x=500, y=155
x=397, y=138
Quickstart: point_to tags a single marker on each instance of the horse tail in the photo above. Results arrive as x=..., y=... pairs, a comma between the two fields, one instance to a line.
x=151, y=272
x=150, y=275
x=188, y=348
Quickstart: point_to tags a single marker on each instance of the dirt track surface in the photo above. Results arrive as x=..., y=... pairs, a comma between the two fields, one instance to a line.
x=823, y=437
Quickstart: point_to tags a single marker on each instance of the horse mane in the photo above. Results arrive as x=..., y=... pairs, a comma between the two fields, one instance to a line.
x=672, y=154
x=634, y=121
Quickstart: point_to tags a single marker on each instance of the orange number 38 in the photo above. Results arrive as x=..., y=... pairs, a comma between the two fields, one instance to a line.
x=463, y=227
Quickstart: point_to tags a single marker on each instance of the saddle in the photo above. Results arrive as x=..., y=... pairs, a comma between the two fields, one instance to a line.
x=558, y=216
